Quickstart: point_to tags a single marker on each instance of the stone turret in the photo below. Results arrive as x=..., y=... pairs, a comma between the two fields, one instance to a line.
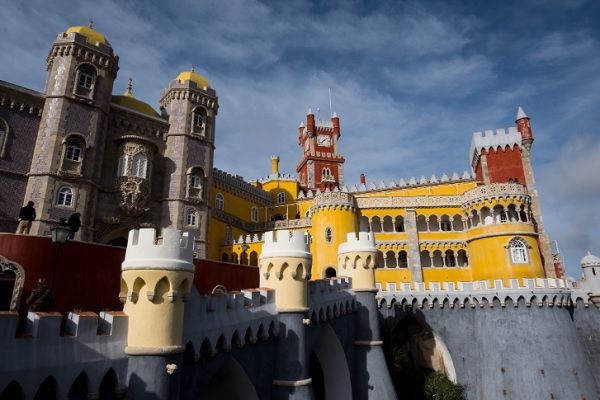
x=357, y=260
x=285, y=265
x=155, y=283
x=590, y=264
x=69, y=148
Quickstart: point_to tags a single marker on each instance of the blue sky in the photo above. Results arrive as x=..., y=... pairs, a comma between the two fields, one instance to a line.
x=410, y=80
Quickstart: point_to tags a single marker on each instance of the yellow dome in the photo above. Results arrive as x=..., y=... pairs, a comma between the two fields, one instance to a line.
x=194, y=77
x=91, y=35
x=128, y=101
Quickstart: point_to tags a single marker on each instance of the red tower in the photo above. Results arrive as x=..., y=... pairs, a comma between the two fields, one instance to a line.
x=498, y=156
x=321, y=165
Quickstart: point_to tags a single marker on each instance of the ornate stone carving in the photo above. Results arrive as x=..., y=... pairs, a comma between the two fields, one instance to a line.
x=133, y=195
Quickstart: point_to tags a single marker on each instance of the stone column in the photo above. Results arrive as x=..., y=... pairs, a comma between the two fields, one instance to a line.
x=413, y=245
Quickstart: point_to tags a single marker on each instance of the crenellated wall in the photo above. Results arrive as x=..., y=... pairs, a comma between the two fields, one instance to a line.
x=90, y=343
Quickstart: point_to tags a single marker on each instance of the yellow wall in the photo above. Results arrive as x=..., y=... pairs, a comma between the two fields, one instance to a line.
x=325, y=254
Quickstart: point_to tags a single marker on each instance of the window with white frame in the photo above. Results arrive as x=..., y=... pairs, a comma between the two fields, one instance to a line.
x=196, y=181
x=198, y=119
x=280, y=197
x=73, y=152
x=518, y=251
x=139, y=166
x=254, y=214
x=122, y=166
x=86, y=78
x=65, y=197
x=192, y=218
x=219, y=201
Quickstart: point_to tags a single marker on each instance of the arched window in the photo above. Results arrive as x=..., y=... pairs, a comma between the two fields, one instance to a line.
x=402, y=259
x=65, y=197
x=449, y=259
x=518, y=251
x=122, y=166
x=198, y=120
x=280, y=197
x=228, y=235
x=192, y=218
x=196, y=181
x=328, y=235
x=254, y=214
x=3, y=136
x=139, y=165
x=219, y=202
x=86, y=77
x=445, y=223
x=73, y=152
x=86, y=80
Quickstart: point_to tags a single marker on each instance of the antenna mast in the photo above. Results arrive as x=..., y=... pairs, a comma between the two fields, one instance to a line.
x=330, y=107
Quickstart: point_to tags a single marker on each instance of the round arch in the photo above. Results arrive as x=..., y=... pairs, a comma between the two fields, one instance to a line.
x=230, y=382
x=329, y=367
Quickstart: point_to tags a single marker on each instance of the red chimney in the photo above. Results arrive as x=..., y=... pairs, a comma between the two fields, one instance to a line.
x=363, y=180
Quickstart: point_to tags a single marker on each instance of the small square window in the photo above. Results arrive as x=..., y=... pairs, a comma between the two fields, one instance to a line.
x=73, y=152
x=86, y=80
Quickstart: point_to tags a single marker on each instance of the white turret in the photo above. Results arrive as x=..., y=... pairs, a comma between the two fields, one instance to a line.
x=356, y=259
x=285, y=265
x=156, y=279
x=590, y=264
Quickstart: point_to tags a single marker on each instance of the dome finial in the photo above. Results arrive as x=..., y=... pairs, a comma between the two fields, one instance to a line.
x=91, y=23
x=193, y=69
x=129, y=91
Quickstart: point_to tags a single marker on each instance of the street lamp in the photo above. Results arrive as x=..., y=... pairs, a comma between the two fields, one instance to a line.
x=59, y=234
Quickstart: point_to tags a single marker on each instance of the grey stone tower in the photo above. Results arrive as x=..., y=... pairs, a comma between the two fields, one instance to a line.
x=67, y=160
x=191, y=105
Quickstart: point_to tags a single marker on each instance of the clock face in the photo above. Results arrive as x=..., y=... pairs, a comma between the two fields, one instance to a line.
x=323, y=140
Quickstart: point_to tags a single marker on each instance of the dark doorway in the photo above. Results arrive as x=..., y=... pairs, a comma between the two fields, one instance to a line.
x=315, y=371
x=330, y=272
x=119, y=242
x=7, y=286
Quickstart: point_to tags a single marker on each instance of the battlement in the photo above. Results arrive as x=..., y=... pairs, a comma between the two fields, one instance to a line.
x=364, y=242
x=144, y=251
x=47, y=325
x=237, y=185
x=330, y=298
x=286, y=243
x=492, y=140
x=531, y=291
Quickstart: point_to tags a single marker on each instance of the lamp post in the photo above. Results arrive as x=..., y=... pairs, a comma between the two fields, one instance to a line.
x=59, y=234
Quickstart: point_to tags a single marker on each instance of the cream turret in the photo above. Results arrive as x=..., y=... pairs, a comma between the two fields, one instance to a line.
x=155, y=282
x=356, y=259
x=285, y=265
x=590, y=264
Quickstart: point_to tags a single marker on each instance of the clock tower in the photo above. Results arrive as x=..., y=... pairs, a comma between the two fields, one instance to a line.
x=321, y=165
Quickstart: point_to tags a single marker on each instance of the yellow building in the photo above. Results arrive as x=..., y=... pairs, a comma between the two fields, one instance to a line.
x=480, y=226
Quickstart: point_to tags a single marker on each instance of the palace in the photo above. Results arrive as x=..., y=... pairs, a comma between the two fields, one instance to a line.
x=186, y=282
x=122, y=165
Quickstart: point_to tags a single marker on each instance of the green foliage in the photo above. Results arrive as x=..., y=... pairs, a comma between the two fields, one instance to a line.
x=439, y=387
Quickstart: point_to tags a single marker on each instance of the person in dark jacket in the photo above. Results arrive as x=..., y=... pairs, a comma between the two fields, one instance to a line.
x=26, y=215
x=40, y=298
x=74, y=223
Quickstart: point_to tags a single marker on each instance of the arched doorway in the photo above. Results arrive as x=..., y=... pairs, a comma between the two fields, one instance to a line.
x=12, y=279
x=416, y=357
x=229, y=382
x=330, y=272
x=328, y=368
